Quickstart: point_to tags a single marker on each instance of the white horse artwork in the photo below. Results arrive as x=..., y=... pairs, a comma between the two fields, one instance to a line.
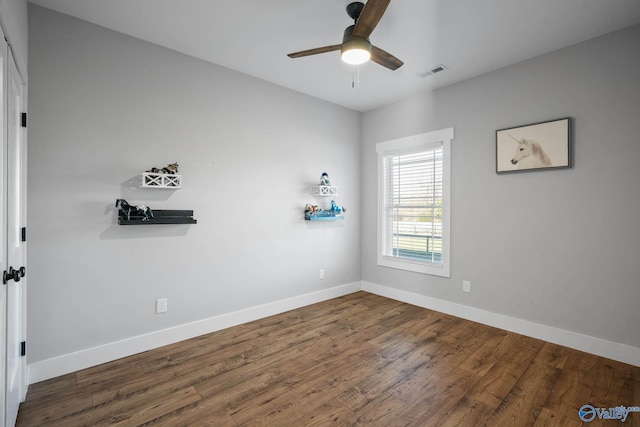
x=530, y=154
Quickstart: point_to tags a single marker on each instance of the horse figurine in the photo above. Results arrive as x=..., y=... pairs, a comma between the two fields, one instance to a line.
x=337, y=209
x=530, y=154
x=128, y=209
x=170, y=169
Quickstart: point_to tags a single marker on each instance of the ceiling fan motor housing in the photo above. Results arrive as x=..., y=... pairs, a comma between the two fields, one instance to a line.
x=350, y=42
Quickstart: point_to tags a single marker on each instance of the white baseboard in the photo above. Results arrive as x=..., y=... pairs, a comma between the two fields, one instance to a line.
x=61, y=365
x=67, y=363
x=609, y=349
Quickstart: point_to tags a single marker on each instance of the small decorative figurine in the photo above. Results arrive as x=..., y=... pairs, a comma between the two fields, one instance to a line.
x=170, y=169
x=311, y=209
x=324, y=179
x=128, y=209
x=337, y=209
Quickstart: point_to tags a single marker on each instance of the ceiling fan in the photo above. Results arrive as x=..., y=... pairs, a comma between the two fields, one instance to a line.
x=356, y=47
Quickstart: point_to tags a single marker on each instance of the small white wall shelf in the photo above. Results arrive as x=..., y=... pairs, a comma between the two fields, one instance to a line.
x=324, y=190
x=160, y=180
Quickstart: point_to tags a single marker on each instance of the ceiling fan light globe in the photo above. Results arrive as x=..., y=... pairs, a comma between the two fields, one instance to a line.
x=356, y=56
x=356, y=51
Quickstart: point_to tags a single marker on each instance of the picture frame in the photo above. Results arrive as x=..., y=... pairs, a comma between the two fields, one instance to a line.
x=534, y=147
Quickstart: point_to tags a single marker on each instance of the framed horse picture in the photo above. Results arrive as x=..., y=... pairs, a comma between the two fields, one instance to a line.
x=538, y=146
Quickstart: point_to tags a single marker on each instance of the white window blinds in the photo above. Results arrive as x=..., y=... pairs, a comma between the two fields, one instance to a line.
x=413, y=204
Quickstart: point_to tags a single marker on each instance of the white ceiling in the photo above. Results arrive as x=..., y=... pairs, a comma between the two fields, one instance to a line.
x=470, y=37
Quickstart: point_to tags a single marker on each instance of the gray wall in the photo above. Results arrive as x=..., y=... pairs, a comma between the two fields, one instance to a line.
x=560, y=248
x=104, y=107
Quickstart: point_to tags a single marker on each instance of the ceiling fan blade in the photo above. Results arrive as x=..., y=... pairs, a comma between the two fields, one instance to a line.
x=369, y=17
x=315, y=51
x=385, y=59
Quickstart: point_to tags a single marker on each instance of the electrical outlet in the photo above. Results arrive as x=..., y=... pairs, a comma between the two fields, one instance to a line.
x=321, y=274
x=466, y=286
x=161, y=305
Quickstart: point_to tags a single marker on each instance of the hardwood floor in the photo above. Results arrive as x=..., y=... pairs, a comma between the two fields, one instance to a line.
x=355, y=360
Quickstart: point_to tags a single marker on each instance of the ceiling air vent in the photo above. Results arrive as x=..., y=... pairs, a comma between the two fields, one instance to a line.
x=434, y=70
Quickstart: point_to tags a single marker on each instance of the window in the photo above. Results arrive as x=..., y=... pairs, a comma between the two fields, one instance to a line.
x=413, y=202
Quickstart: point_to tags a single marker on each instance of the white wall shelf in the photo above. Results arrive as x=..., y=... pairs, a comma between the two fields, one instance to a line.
x=160, y=180
x=324, y=190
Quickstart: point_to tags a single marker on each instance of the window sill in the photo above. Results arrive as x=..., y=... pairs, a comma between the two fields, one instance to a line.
x=415, y=266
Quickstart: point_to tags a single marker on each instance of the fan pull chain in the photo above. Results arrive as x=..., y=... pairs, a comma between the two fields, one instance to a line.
x=355, y=78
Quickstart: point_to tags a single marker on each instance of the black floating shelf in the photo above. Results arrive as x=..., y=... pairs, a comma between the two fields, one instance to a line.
x=159, y=217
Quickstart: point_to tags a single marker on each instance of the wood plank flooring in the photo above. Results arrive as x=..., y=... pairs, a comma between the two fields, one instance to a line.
x=358, y=360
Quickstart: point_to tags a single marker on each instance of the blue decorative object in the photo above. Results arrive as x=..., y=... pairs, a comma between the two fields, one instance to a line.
x=337, y=209
x=324, y=179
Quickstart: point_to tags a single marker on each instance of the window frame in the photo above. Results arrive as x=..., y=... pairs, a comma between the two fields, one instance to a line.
x=398, y=146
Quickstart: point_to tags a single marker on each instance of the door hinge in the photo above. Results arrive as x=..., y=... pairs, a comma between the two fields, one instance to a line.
x=24, y=234
x=23, y=348
x=24, y=120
